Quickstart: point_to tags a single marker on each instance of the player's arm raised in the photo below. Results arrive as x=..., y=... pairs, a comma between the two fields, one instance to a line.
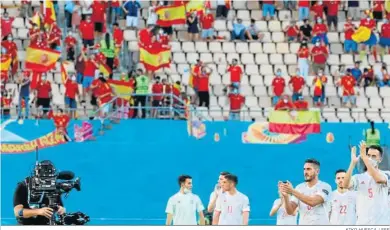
x=169, y=211
x=217, y=211
x=275, y=207
x=290, y=206
x=354, y=160
x=374, y=172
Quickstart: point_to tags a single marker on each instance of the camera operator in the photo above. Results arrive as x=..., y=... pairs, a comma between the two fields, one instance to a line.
x=26, y=215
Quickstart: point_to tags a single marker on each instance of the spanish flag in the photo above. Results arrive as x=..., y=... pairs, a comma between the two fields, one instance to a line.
x=155, y=57
x=122, y=89
x=171, y=15
x=318, y=87
x=5, y=62
x=41, y=59
x=305, y=122
x=191, y=79
x=50, y=14
x=196, y=6
x=64, y=73
x=105, y=69
x=15, y=65
x=36, y=20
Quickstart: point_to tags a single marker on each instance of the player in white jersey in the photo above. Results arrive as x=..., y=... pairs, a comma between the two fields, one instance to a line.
x=342, y=203
x=282, y=218
x=232, y=206
x=310, y=197
x=217, y=191
x=183, y=207
x=371, y=186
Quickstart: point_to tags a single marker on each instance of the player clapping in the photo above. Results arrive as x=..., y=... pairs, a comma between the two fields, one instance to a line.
x=371, y=186
x=183, y=207
x=282, y=217
x=232, y=206
x=342, y=203
x=310, y=197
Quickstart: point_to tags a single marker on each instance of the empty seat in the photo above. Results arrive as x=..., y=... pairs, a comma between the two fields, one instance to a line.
x=372, y=92
x=215, y=47
x=255, y=47
x=242, y=47
x=282, y=48
x=247, y=59
x=256, y=80
x=376, y=103
x=269, y=48
x=260, y=91
x=228, y=47
x=188, y=47
x=278, y=37
x=276, y=59
x=243, y=14
x=252, y=69
x=290, y=59
x=262, y=59
x=274, y=26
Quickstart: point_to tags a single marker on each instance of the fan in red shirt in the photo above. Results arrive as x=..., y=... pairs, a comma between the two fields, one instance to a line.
x=278, y=84
x=6, y=25
x=71, y=92
x=372, y=41
x=87, y=29
x=163, y=39
x=320, y=31
x=157, y=88
x=292, y=31
x=118, y=37
x=54, y=36
x=207, y=24
x=319, y=83
x=236, y=101
x=70, y=42
x=301, y=104
x=318, y=9
x=33, y=33
x=333, y=9
x=98, y=16
x=348, y=83
x=90, y=66
x=146, y=36
x=43, y=93
x=105, y=95
x=284, y=103
x=10, y=46
x=203, y=86
x=384, y=40
x=378, y=9
x=61, y=122
x=297, y=84
x=349, y=29
x=319, y=56
x=235, y=73
x=94, y=89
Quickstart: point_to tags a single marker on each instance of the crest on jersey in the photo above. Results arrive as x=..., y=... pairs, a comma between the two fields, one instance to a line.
x=325, y=191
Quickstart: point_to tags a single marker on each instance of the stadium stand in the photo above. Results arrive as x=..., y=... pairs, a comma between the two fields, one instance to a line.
x=259, y=61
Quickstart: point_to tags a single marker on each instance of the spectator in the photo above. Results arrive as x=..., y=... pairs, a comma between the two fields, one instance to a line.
x=278, y=84
x=320, y=31
x=253, y=32
x=6, y=25
x=356, y=72
x=319, y=83
x=296, y=84
x=79, y=67
x=152, y=16
x=236, y=101
x=68, y=9
x=116, y=10
x=303, y=9
x=333, y=9
x=33, y=33
x=195, y=72
x=319, y=56
x=367, y=78
x=305, y=30
x=268, y=10
x=222, y=9
x=141, y=89
x=348, y=83
x=303, y=59
x=378, y=9
x=26, y=9
x=384, y=38
x=95, y=89
x=290, y=4
x=71, y=92
x=353, y=9
x=90, y=67
x=301, y=104
x=43, y=93
x=87, y=32
x=193, y=27
x=104, y=97
x=284, y=104
x=24, y=95
x=292, y=32
x=350, y=46
x=107, y=47
x=70, y=42
x=382, y=77
x=207, y=24
x=235, y=73
x=98, y=17
x=157, y=99
x=86, y=8
x=10, y=47
x=6, y=101
x=318, y=10
x=131, y=9
x=203, y=86
x=76, y=16
x=55, y=36
x=371, y=42
x=238, y=30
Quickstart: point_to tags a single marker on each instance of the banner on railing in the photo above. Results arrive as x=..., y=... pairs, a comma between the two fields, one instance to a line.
x=83, y=132
x=295, y=122
x=49, y=140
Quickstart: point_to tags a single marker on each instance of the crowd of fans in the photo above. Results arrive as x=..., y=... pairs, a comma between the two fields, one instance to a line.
x=97, y=24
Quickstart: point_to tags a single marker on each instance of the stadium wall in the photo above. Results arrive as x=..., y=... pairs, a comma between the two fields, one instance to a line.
x=129, y=173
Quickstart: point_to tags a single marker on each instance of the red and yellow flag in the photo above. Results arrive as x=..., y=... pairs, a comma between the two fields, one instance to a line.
x=64, y=73
x=171, y=15
x=36, y=20
x=41, y=59
x=123, y=89
x=5, y=62
x=196, y=6
x=155, y=57
x=191, y=79
x=105, y=69
x=15, y=65
x=50, y=14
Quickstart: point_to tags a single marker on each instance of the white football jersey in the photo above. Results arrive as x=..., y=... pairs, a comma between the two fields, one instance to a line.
x=318, y=215
x=342, y=208
x=232, y=207
x=372, y=199
x=220, y=192
x=282, y=218
x=184, y=208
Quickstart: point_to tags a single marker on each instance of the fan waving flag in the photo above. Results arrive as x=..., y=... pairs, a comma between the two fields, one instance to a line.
x=64, y=73
x=41, y=59
x=5, y=62
x=155, y=57
x=171, y=15
x=50, y=14
x=295, y=122
x=123, y=89
x=196, y=6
